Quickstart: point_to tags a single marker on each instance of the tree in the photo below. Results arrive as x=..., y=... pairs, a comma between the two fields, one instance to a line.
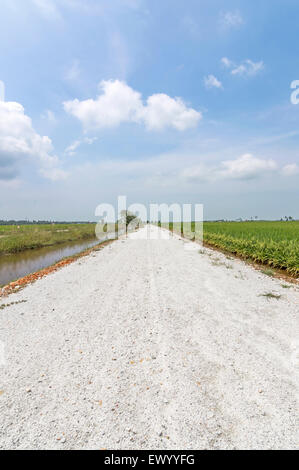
x=128, y=217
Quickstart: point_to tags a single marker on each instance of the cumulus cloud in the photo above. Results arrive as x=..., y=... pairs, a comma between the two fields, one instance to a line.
x=18, y=139
x=163, y=111
x=291, y=170
x=212, y=82
x=243, y=168
x=246, y=68
x=231, y=19
x=119, y=103
x=246, y=167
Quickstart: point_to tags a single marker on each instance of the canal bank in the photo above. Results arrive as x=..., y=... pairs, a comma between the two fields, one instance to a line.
x=39, y=264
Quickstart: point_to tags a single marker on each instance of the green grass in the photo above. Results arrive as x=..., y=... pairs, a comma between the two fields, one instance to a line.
x=268, y=272
x=269, y=295
x=14, y=239
x=2, y=306
x=274, y=244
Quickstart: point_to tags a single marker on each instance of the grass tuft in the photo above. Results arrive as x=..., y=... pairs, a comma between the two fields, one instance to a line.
x=3, y=306
x=268, y=272
x=270, y=295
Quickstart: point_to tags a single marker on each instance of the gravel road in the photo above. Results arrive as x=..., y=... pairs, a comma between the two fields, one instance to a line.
x=150, y=344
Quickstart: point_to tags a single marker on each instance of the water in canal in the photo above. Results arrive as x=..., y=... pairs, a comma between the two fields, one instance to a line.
x=17, y=265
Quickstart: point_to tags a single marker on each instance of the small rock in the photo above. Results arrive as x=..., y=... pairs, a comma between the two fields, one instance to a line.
x=28, y=390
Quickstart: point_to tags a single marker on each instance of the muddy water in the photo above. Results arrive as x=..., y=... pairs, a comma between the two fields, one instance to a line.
x=15, y=266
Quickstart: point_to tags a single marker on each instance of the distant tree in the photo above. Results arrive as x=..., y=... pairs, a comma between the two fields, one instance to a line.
x=127, y=217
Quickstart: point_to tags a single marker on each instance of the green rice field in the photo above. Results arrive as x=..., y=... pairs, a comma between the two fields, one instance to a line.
x=14, y=239
x=275, y=244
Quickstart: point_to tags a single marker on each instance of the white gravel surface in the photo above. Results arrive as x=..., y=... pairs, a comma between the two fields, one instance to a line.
x=150, y=344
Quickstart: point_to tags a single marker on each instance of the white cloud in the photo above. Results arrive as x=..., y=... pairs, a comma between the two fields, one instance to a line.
x=119, y=103
x=162, y=111
x=246, y=167
x=18, y=139
x=212, y=82
x=182, y=170
x=291, y=170
x=71, y=149
x=243, y=168
x=231, y=19
x=226, y=62
x=90, y=140
x=246, y=68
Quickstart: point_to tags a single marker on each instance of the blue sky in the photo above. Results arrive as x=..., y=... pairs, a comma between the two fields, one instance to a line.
x=169, y=101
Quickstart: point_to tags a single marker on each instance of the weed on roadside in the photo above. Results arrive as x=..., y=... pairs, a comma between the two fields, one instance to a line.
x=241, y=276
x=270, y=295
x=268, y=272
x=218, y=262
x=2, y=306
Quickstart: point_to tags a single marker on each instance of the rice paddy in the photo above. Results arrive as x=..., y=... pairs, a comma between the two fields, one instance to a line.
x=274, y=244
x=14, y=239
